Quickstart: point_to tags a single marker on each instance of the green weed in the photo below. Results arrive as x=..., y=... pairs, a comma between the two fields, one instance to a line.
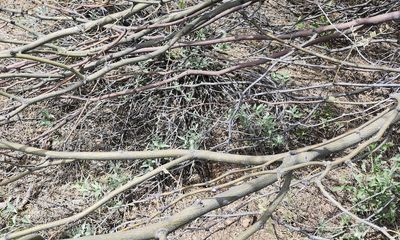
x=47, y=118
x=222, y=47
x=12, y=218
x=85, y=229
x=181, y=4
x=280, y=77
x=90, y=188
x=192, y=138
x=294, y=113
x=257, y=120
x=375, y=193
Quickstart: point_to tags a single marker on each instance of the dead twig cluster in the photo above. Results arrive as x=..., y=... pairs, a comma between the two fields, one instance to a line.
x=175, y=89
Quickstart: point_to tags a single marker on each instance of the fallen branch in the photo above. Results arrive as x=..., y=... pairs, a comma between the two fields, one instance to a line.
x=290, y=160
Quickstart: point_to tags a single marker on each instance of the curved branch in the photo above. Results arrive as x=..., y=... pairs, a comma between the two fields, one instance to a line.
x=204, y=206
x=132, y=155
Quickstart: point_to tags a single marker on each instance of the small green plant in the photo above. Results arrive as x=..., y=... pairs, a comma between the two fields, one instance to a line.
x=325, y=113
x=181, y=4
x=144, y=65
x=377, y=187
x=88, y=188
x=176, y=53
x=301, y=132
x=12, y=218
x=345, y=220
x=357, y=233
x=294, y=113
x=222, y=47
x=197, y=60
x=148, y=165
x=10, y=213
x=158, y=144
x=116, y=180
x=323, y=20
x=85, y=229
x=201, y=34
x=280, y=77
x=47, y=118
x=320, y=22
x=10, y=209
x=277, y=140
x=300, y=26
x=192, y=58
x=259, y=121
x=116, y=176
x=192, y=138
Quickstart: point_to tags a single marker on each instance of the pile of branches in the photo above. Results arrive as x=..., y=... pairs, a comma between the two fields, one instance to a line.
x=178, y=82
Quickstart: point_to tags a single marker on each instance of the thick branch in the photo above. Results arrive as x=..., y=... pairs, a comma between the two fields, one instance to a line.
x=202, y=207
